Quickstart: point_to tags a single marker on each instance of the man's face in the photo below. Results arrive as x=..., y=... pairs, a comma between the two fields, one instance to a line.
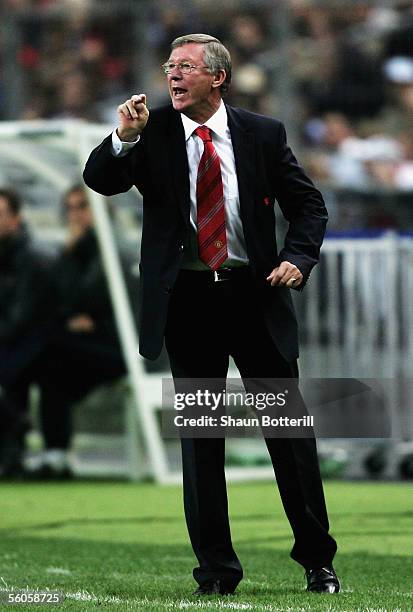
x=193, y=94
x=9, y=221
x=78, y=211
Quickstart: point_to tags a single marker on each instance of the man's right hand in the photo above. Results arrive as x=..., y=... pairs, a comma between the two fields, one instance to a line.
x=133, y=117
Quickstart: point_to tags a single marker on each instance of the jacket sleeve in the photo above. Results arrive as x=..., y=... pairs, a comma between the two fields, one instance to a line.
x=109, y=175
x=302, y=206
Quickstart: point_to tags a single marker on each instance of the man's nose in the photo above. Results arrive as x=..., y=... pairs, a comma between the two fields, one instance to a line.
x=175, y=74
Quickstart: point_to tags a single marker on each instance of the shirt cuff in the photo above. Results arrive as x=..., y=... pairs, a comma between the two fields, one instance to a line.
x=120, y=147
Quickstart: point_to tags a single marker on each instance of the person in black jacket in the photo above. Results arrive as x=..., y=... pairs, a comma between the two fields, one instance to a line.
x=84, y=349
x=215, y=284
x=25, y=325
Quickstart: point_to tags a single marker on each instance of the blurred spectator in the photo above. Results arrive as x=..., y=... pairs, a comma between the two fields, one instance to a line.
x=248, y=42
x=349, y=161
x=25, y=308
x=341, y=74
x=396, y=117
x=337, y=162
x=84, y=351
x=74, y=99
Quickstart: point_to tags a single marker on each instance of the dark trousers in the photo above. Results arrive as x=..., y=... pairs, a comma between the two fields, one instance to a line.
x=66, y=370
x=75, y=364
x=207, y=322
x=18, y=368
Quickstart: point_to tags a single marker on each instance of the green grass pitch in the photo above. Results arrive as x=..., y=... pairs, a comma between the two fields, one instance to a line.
x=124, y=546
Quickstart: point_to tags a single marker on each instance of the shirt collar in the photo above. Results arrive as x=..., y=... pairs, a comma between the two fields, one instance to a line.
x=218, y=123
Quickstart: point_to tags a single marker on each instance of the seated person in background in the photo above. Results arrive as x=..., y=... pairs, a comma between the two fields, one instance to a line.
x=84, y=351
x=25, y=326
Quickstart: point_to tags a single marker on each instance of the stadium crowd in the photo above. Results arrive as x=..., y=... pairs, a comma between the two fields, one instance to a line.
x=350, y=65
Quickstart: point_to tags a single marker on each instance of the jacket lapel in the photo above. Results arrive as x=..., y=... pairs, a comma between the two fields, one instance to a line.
x=179, y=163
x=243, y=143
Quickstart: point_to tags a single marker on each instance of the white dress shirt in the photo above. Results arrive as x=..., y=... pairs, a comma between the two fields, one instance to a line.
x=221, y=138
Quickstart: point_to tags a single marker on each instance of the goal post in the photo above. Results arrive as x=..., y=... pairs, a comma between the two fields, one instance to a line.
x=145, y=415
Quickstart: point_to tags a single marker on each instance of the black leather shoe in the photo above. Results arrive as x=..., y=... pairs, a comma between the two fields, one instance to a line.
x=322, y=580
x=213, y=587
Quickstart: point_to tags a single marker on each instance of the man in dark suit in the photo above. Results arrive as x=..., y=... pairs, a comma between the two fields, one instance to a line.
x=214, y=283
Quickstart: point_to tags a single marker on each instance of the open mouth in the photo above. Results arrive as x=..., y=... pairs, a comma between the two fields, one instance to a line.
x=178, y=92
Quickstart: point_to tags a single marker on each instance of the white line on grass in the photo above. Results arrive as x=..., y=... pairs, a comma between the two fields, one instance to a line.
x=58, y=570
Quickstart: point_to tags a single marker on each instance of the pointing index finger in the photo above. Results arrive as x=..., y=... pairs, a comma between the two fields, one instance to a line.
x=139, y=99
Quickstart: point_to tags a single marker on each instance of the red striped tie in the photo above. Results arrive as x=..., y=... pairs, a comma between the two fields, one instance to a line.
x=212, y=238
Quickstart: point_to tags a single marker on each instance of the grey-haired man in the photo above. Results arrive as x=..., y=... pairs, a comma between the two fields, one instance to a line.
x=214, y=283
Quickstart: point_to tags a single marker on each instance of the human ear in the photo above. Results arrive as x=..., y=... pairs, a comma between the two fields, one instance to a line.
x=219, y=78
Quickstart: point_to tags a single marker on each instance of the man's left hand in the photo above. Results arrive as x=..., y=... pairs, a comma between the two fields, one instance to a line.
x=286, y=274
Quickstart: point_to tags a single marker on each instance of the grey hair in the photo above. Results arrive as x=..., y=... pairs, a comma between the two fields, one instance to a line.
x=216, y=56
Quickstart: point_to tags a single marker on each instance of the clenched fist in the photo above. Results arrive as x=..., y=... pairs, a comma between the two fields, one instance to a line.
x=133, y=117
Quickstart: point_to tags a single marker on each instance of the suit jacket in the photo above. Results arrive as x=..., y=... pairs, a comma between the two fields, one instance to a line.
x=266, y=170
